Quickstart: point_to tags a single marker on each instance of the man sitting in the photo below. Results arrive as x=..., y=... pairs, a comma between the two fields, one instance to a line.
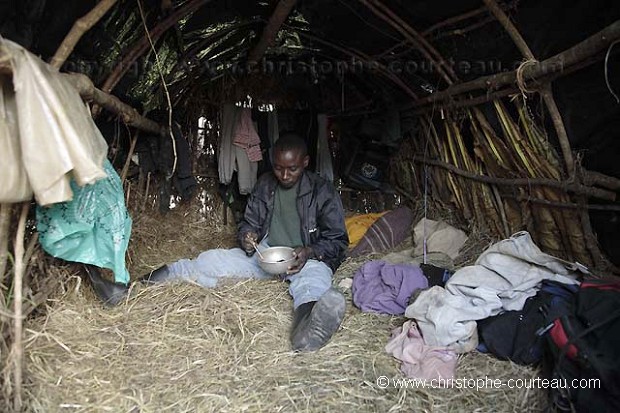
x=291, y=207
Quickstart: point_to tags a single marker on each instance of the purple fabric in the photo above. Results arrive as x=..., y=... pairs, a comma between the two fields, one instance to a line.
x=381, y=287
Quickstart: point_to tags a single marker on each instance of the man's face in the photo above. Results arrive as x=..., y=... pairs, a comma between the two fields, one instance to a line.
x=288, y=165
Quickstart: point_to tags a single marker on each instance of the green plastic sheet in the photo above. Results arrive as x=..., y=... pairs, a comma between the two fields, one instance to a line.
x=93, y=228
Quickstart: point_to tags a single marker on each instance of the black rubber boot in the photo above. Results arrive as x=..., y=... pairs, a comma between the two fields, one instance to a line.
x=300, y=316
x=315, y=324
x=159, y=275
x=111, y=293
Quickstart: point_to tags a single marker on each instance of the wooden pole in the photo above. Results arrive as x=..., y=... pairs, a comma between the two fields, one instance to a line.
x=546, y=91
x=132, y=147
x=465, y=16
x=462, y=101
x=279, y=16
x=5, y=220
x=90, y=93
x=566, y=186
x=363, y=58
x=81, y=26
x=128, y=114
x=461, y=31
x=143, y=44
x=421, y=44
x=18, y=351
x=597, y=178
x=576, y=54
x=510, y=28
x=455, y=19
x=473, y=101
x=564, y=205
x=560, y=129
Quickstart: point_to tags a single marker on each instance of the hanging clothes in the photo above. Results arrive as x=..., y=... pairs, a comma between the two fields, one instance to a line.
x=324, y=165
x=229, y=114
x=273, y=131
x=49, y=133
x=246, y=136
x=234, y=156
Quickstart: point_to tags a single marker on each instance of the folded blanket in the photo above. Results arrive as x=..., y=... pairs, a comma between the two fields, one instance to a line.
x=386, y=233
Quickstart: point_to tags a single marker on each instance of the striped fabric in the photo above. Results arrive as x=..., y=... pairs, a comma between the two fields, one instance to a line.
x=386, y=233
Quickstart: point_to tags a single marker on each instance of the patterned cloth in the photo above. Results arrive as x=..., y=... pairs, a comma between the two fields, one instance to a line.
x=386, y=233
x=358, y=224
x=93, y=228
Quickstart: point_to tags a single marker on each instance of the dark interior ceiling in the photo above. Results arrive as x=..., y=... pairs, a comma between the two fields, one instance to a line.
x=316, y=57
x=203, y=56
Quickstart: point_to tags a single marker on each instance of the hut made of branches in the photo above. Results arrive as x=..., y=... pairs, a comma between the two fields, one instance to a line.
x=512, y=114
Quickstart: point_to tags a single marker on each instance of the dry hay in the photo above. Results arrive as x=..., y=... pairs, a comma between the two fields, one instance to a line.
x=181, y=233
x=185, y=348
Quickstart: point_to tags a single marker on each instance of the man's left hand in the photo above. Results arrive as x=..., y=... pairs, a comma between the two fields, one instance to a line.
x=302, y=255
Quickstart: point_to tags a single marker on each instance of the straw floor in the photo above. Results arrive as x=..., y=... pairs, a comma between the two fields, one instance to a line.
x=182, y=348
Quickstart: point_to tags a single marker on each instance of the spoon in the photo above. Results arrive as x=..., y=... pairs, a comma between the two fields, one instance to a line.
x=256, y=248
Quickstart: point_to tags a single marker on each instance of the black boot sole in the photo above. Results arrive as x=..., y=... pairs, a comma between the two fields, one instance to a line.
x=109, y=292
x=157, y=276
x=317, y=329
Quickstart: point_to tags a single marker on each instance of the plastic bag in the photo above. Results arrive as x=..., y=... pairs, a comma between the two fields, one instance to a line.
x=93, y=228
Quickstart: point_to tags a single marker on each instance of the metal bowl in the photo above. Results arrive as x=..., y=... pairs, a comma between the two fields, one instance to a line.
x=276, y=260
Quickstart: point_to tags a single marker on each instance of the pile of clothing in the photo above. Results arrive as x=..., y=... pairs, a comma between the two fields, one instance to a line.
x=444, y=307
x=517, y=303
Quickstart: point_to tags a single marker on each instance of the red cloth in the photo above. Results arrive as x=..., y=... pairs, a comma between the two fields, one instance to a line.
x=245, y=136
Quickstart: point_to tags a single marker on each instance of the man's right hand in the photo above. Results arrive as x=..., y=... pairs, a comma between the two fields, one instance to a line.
x=248, y=241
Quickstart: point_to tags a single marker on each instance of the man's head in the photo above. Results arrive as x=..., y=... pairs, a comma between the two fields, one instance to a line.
x=290, y=159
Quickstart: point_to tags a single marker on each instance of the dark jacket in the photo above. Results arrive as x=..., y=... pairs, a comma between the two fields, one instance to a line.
x=320, y=210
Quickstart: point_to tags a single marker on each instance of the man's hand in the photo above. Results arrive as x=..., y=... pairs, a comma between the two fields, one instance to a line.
x=302, y=255
x=248, y=241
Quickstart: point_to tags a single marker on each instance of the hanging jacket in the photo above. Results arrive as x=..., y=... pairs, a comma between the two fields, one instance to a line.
x=320, y=212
